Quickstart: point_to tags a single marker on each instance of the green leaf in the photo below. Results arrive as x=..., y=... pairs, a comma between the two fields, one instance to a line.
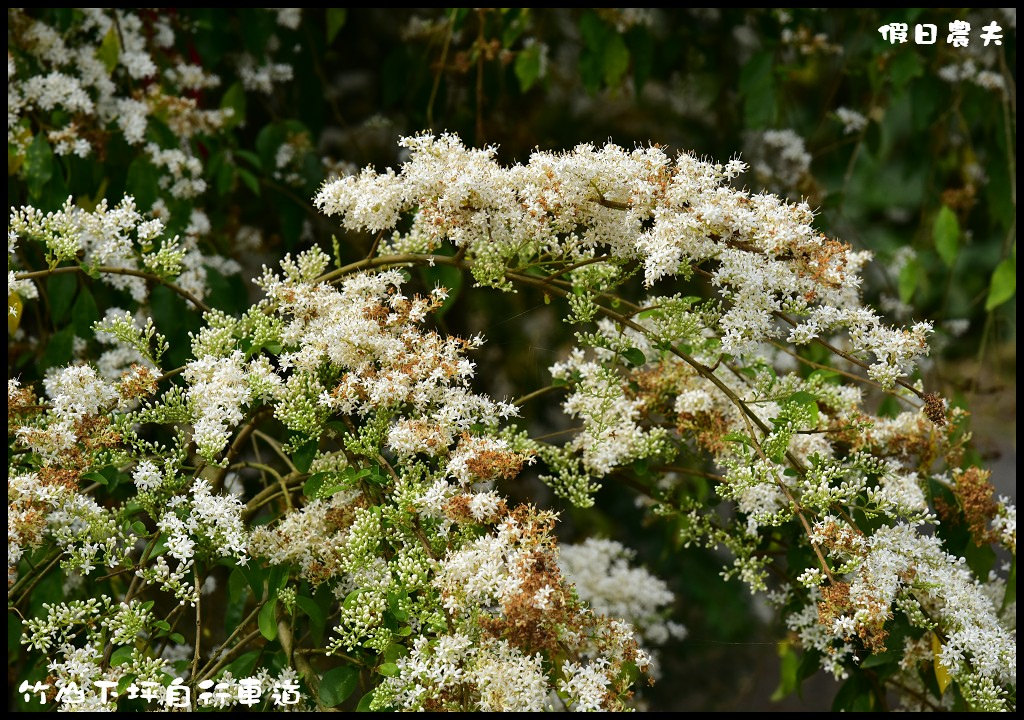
x=234, y=98
x=641, y=47
x=338, y=684
x=142, y=182
x=303, y=457
x=256, y=577
x=447, y=277
x=351, y=599
x=244, y=664
x=909, y=278
x=250, y=180
x=1003, y=285
x=789, y=679
x=634, y=356
x=388, y=669
x=1011, y=585
x=250, y=157
x=84, y=313
x=110, y=49
x=311, y=488
x=38, y=165
x=824, y=375
x=592, y=58
x=527, y=66
x=905, y=67
x=880, y=659
x=616, y=59
x=268, y=619
x=855, y=694
x=394, y=651
x=124, y=683
x=335, y=22
x=804, y=398
x=364, y=702
x=946, y=234
x=61, y=291
x=757, y=87
x=121, y=655
x=58, y=350
x=312, y=609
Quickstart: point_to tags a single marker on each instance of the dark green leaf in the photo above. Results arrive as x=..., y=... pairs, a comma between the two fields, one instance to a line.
x=268, y=619
x=250, y=180
x=905, y=67
x=234, y=98
x=757, y=87
x=61, y=291
x=388, y=669
x=312, y=609
x=303, y=457
x=364, y=702
x=447, y=277
x=528, y=65
x=84, y=313
x=634, y=356
x=1011, y=585
x=880, y=659
x=311, y=488
x=142, y=182
x=641, y=47
x=855, y=694
x=121, y=655
x=58, y=350
x=38, y=165
x=338, y=684
x=244, y=664
x=335, y=22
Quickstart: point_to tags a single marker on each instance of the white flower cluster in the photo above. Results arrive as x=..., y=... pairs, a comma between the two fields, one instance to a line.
x=500, y=675
x=780, y=160
x=75, y=392
x=611, y=434
x=218, y=390
x=194, y=521
x=367, y=329
x=602, y=573
x=898, y=566
x=120, y=239
x=765, y=257
x=853, y=121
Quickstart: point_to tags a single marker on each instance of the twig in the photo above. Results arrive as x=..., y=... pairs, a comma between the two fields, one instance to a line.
x=106, y=270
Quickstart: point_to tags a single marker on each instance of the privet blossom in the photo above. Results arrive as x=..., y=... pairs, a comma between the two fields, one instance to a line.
x=326, y=455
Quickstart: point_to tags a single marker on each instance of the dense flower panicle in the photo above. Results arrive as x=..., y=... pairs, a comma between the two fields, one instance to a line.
x=380, y=521
x=670, y=215
x=602, y=574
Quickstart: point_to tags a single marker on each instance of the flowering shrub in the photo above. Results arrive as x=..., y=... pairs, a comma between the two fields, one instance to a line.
x=310, y=503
